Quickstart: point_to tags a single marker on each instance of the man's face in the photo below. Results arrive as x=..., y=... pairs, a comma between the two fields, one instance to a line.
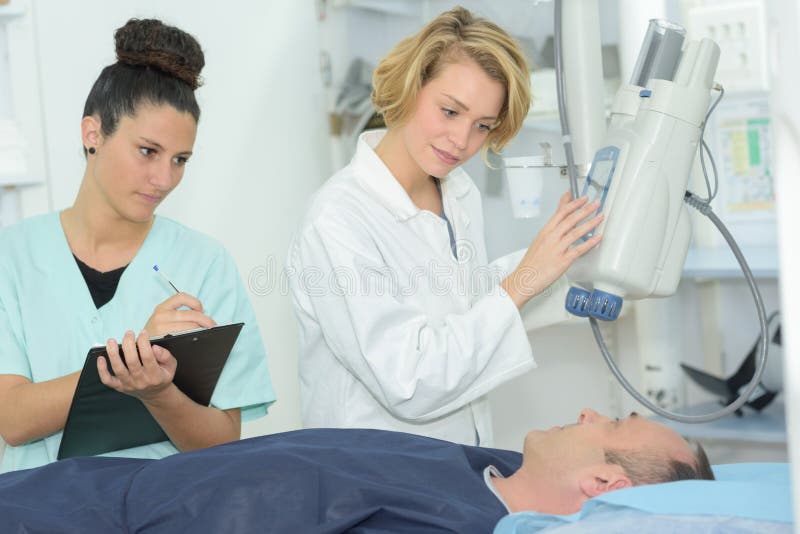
x=568, y=451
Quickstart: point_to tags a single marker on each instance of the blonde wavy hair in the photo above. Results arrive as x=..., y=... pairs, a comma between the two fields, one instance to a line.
x=449, y=38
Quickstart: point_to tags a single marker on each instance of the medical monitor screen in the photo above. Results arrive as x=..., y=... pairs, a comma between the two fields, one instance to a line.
x=599, y=178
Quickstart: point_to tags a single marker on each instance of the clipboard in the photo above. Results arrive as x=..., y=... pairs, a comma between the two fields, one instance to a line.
x=102, y=419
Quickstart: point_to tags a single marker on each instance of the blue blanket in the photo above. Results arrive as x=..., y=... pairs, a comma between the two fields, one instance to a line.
x=309, y=481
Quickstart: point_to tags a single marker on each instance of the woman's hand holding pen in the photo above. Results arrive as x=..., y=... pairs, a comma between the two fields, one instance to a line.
x=144, y=370
x=144, y=373
x=168, y=317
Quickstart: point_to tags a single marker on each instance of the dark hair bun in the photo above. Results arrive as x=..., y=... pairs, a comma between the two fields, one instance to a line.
x=151, y=43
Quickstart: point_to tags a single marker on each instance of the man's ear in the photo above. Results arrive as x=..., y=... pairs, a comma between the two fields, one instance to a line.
x=602, y=479
x=91, y=134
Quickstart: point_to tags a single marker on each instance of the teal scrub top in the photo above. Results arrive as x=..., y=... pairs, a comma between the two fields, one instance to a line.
x=48, y=320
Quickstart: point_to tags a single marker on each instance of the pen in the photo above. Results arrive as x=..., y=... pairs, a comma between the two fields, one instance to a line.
x=155, y=268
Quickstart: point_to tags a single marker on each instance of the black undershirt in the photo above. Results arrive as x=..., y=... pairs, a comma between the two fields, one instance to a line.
x=102, y=286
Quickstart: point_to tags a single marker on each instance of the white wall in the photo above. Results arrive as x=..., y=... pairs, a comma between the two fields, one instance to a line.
x=261, y=148
x=784, y=20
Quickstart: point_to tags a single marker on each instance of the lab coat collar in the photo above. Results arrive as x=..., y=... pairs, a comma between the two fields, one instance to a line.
x=377, y=179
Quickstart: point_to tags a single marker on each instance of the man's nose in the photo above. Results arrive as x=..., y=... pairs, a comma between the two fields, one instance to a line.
x=588, y=415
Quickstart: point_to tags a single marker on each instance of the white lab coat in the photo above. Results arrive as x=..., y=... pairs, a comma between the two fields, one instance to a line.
x=394, y=332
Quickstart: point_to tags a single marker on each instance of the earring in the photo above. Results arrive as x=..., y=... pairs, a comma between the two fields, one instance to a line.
x=92, y=150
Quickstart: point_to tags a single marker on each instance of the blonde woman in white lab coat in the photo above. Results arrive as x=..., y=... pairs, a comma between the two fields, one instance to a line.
x=401, y=326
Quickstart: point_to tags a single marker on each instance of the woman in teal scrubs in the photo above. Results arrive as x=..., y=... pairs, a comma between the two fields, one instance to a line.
x=84, y=276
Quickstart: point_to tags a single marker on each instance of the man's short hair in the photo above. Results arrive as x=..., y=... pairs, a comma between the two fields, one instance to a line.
x=644, y=467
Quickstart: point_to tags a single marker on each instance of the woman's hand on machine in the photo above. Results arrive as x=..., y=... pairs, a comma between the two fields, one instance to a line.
x=142, y=370
x=551, y=253
x=168, y=317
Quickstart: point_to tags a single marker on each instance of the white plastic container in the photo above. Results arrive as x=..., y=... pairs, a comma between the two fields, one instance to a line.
x=526, y=177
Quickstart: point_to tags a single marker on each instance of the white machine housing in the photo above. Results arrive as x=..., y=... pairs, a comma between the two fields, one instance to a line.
x=640, y=175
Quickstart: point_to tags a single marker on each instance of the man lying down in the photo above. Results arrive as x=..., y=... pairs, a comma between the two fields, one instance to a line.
x=336, y=480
